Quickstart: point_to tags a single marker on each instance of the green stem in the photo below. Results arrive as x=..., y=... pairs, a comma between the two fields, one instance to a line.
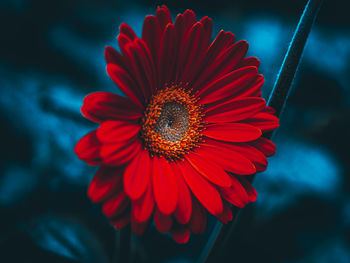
x=279, y=94
x=122, y=246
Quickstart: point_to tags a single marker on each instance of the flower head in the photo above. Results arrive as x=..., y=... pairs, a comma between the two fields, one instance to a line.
x=189, y=131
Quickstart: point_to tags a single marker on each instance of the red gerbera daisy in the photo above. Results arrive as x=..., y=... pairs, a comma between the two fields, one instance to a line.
x=188, y=132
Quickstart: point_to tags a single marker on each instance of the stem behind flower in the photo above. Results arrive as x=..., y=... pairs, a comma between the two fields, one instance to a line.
x=279, y=94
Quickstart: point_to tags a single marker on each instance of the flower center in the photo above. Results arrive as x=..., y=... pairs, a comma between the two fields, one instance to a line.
x=172, y=122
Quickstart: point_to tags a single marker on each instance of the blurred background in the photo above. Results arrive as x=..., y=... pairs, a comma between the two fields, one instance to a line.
x=51, y=56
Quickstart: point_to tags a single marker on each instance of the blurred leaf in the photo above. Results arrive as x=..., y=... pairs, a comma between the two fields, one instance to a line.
x=67, y=237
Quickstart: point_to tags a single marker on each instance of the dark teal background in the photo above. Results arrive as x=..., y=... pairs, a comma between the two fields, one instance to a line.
x=51, y=56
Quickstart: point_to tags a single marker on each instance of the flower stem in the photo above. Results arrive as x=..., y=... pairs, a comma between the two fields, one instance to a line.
x=122, y=245
x=280, y=91
x=279, y=94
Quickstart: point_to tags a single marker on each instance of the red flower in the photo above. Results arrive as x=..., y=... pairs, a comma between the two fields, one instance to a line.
x=188, y=132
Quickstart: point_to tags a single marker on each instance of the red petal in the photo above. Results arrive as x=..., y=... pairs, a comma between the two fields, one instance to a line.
x=197, y=44
x=106, y=183
x=232, y=132
x=123, y=41
x=179, y=40
x=264, y=121
x=235, y=194
x=180, y=234
x=189, y=19
x=164, y=185
x=222, y=40
x=121, y=221
x=205, y=192
x=269, y=110
x=117, y=131
x=127, y=30
x=103, y=106
x=265, y=146
x=116, y=206
x=87, y=149
x=198, y=222
x=208, y=169
x=142, y=208
x=162, y=222
x=113, y=56
x=137, y=175
x=256, y=157
x=223, y=64
x=226, y=215
x=237, y=110
x=252, y=194
x=208, y=27
x=228, y=84
x=118, y=154
x=137, y=227
x=141, y=69
x=253, y=89
x=123, y=80
x=151, y=34
x=193, y=52
x=184, y=205
x=148, y=65
x=183, y=24
x=167, y=55
x=216, y=49
x=247, y=62
x=164, y=17
x=229, y=160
